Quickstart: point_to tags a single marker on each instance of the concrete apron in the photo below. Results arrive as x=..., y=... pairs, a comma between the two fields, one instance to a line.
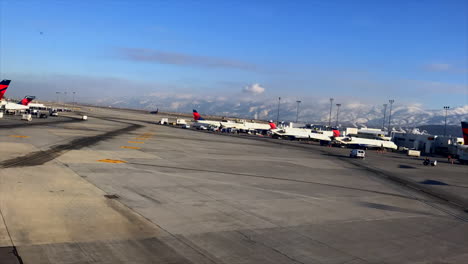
x=50, y=204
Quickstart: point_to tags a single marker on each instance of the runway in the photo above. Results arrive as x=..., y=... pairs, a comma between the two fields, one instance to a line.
x=120, y=189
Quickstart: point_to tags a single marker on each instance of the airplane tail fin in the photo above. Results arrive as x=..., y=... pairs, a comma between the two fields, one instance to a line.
x=336, y=133
x=3, y=87
x=26, y=100
x=272, y=125
x=465, y=132
x=197, y=116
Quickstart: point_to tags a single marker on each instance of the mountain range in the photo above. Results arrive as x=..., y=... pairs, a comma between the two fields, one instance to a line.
x=315, y=111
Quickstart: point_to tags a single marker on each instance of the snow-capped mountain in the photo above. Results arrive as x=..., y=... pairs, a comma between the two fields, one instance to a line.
x=310, y=111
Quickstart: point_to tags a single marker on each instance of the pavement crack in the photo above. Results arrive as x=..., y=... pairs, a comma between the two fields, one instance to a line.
x=15, y=252
x=271, y=248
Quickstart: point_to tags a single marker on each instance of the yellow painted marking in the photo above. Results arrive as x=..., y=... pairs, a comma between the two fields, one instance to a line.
x=138, y=142
x=127, y=147
x=17, y=136
x=144, y=136
x=112, y=161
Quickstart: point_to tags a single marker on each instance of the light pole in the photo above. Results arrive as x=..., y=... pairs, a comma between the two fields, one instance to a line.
x=58, y=96
x=390, y=115
x=337, y=113
x=277, y=116
x=297, y=113
x=384, y=116
x=445, y=127
x=74, y=98
x=329, y=117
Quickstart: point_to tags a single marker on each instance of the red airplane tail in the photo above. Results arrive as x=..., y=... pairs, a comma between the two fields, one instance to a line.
x=465, y=132
x=197, y=116
x=336, y=133
x=26, y=100
x=272, y=124
x=3, y=87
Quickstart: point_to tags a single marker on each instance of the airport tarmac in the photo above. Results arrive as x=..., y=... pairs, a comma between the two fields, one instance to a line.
x=119, y=189
x=447, y=181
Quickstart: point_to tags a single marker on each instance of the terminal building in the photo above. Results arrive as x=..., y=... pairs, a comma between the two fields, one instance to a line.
x=426, y=143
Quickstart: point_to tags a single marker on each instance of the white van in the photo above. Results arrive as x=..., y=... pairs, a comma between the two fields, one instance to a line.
x=357, y=153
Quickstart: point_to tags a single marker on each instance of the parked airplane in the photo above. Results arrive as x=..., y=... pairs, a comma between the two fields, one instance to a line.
x=241, y=125
x=366, y=138
x=302, y=133
x=200, y=122
x=356, y=142
x=21, y=105
x=245, y=126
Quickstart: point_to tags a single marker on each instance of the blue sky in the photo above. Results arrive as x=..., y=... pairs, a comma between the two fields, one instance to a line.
x=412, y=51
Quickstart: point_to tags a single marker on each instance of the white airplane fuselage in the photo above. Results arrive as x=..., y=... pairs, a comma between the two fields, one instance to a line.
x=228, y=124
x=206, y=123
x=248, y=126
x=13, y=106
x=36, y=105
x=301, y=133
x=256, y=126
x=367, y=142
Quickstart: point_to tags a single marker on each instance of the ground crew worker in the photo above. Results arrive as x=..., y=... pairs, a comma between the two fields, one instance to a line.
x=449, y=158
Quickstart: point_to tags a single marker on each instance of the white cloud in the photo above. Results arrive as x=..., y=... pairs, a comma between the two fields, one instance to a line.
x=254, y=89
x=182, y=59
x=184, y=96
x=438, y=67
x=356, y=105
x=264, y=113
x=435, y=87
x=253, y=109
x=445, y=67
x=176, y=105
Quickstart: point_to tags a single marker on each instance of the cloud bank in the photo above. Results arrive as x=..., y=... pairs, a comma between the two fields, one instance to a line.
x=438, y=67
x=444, y=67
x=183, y=59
